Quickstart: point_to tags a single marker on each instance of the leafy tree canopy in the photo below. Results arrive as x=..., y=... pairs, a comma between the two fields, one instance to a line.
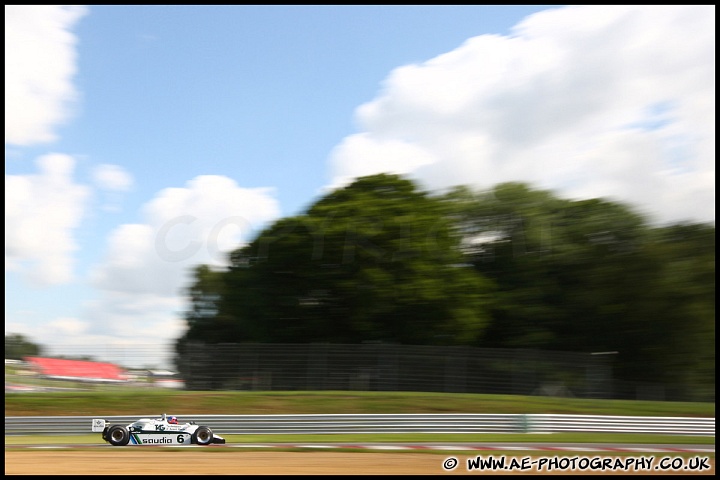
x=374, y=261
x=17, y=347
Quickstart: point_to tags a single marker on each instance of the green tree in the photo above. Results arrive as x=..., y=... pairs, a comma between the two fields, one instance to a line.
x=205, y=324
x=374, y=261
x=505, y=233
x=592, y=276
x=205, y=294
x=683, y=301
x=17, y=347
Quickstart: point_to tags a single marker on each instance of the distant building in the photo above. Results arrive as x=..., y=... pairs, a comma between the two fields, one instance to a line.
x=76, y=370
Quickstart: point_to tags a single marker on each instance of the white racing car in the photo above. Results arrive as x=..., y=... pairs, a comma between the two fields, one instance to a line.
x=161, y=431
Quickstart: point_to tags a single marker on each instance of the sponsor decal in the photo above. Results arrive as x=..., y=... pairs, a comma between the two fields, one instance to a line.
x=157, y=440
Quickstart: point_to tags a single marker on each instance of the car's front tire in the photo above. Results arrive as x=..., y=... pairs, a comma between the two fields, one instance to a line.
x=118, y=435
x=202, y=436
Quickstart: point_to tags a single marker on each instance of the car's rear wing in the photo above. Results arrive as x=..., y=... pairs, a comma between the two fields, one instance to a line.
x=98, y=424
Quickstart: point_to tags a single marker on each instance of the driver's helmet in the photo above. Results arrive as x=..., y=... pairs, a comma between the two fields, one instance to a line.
x=173, y=420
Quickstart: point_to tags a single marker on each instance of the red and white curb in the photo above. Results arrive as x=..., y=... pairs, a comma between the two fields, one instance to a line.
x=595, y=448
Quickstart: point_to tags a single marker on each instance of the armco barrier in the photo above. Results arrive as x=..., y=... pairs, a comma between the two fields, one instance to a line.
x=386, y=423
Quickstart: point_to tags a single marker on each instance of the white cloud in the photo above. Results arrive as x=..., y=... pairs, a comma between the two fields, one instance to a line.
x=113, y=181
x=65, y=327
x=148, y=265
x=183, y=227
x=40, y=63
x=41, y=213
x=137, y=313
x=364, y=155
x=112, y=177
x=133, y=315
x=589, y=101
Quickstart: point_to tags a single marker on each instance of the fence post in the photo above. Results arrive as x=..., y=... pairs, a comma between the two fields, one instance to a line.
x=525, y=424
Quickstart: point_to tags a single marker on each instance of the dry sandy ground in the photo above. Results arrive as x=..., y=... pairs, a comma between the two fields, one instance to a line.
x=157, y=462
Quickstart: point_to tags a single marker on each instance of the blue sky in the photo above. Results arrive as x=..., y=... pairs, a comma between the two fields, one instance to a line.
x=143, y=140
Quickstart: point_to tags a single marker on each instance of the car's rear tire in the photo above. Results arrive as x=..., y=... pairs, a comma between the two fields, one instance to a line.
x=202, y=436
x=118, y=435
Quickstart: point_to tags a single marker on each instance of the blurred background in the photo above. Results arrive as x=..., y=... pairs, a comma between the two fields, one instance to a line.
x=512, y=291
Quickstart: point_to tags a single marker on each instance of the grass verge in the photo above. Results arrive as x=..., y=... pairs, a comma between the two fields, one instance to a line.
x=146, y=401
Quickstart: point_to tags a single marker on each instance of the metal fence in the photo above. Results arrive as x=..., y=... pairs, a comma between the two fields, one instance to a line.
x=388, y=367
x=389, y=423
